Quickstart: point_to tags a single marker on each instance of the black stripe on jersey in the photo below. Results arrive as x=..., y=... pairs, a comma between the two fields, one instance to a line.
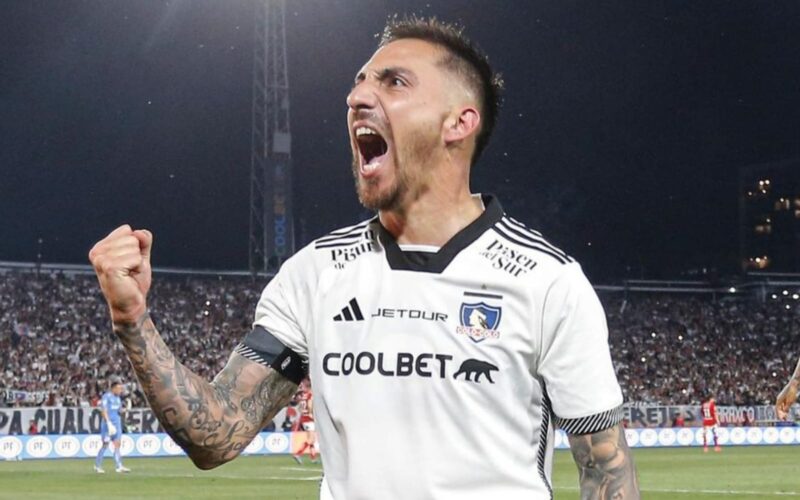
x=523, y=226
x=342, y=239
x=532, y=236
x=351, y=231
x=262, y=347
x=525, y=244
x=591, y=424
x=347, y=230
x=484, y=295
x=346, y=241
x=541, y=454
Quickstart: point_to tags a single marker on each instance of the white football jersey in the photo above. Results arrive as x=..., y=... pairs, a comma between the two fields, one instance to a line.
x=440, y=375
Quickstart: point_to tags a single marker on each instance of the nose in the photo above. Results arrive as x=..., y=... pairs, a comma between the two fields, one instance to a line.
x=362, y=96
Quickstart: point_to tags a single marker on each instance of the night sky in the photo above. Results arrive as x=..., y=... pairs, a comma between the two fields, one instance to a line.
x=621, y=135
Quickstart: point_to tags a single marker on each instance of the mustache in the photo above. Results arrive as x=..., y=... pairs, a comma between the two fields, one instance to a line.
x=367, y=115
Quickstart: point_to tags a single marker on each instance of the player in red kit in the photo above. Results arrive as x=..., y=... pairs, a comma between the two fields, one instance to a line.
x=305, y=422
x=710, y=421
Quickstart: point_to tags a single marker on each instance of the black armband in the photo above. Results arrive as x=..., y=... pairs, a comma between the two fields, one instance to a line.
x=262, y=347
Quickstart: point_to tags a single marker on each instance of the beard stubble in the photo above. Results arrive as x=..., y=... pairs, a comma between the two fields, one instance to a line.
x=411, y=175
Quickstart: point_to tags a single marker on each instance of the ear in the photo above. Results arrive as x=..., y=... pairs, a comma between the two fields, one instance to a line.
x=459, y=126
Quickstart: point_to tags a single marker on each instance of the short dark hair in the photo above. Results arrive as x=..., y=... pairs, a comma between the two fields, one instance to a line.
x=463, y=58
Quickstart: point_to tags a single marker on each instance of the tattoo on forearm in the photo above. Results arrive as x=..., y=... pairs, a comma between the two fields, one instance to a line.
x=212, y=421
x=605, y=465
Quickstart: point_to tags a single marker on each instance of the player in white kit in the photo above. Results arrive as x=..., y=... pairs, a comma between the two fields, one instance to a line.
x=445, y=340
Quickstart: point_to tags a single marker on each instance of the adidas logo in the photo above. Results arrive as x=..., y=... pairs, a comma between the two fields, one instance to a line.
x=351, y=312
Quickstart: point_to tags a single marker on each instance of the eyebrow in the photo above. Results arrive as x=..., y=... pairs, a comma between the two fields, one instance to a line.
x=387, y=73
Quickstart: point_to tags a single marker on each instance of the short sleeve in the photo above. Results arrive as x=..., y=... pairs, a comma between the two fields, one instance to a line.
x=575, y=362
x=277, y=338
x=280, y=309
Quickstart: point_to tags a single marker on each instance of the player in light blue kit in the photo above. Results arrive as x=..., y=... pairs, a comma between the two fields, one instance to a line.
x=111, y=426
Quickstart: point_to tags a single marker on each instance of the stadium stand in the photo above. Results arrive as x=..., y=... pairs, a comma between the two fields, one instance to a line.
x=56, y=347
x=679, y=349
x=56, y=343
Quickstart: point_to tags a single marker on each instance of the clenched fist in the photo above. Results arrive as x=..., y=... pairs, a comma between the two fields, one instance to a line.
x=122, y=263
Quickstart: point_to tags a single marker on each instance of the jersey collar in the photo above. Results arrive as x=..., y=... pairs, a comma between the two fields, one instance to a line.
x=439, y=261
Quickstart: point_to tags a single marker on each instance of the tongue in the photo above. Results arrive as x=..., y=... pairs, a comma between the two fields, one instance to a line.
x=372, y=165
x=372, y=146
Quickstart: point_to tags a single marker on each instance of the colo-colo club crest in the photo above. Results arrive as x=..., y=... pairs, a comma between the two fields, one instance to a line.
x=479, y=321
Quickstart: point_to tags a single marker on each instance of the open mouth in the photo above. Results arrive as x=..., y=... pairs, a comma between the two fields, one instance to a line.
x=372, y=148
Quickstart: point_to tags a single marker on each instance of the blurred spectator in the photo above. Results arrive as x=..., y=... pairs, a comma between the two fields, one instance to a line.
x=56, y=342
x=32, y=427
x=677, y=349
x=55, y=332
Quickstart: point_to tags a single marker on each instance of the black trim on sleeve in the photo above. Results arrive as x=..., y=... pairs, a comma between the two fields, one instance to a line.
x=262, y=347
x=591, y=424
x=541, y=454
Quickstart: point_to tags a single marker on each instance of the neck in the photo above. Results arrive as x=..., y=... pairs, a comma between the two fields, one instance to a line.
x=432, y=219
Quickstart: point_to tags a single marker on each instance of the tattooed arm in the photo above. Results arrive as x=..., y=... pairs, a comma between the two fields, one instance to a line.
x=213, y=421
x=605, y=465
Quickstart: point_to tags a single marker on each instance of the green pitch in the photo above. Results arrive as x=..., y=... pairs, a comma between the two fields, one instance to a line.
x=736, y=473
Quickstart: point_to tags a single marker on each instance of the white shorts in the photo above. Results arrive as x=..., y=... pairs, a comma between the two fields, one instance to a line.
x=308, y=426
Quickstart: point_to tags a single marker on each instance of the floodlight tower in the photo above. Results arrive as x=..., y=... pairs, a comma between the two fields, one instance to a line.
x=271, y=214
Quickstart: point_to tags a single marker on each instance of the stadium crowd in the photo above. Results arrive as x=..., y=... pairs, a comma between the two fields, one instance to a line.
x=56, y=339
x=682, y=349
x=56, y=344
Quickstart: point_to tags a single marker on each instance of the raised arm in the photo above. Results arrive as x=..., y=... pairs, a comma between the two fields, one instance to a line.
x=788, y=395
x=605, y=465
x=212, y=421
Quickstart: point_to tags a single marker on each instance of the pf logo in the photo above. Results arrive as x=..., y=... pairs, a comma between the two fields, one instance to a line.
x=477, y=368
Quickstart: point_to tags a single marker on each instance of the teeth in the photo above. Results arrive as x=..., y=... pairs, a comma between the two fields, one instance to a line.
x=365, y=131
